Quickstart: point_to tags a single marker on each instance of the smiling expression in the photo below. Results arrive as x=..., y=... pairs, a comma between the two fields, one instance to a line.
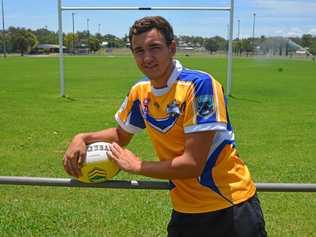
x=153, y=56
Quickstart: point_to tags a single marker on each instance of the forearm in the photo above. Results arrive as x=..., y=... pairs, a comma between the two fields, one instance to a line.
x=188, y=165
x=107, y=135
x=178, y=168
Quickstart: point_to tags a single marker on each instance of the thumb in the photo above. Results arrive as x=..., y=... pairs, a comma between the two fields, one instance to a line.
x=82, y=157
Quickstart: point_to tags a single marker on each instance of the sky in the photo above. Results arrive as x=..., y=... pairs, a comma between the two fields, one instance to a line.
x=287, y=18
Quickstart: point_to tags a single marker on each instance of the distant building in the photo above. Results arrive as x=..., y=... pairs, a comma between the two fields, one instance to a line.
x=279, y=46
x=46, y=49
x=302, y=52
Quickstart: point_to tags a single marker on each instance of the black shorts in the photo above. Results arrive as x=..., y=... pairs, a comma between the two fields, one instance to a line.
x=242, y=220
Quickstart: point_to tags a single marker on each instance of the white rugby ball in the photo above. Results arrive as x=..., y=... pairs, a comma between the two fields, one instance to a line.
x=97, y=167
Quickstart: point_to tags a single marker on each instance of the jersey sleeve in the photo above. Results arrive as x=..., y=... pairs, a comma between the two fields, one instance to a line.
x=205, y=109
x=129, y=116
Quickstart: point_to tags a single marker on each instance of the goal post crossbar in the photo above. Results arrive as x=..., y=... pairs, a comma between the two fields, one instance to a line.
x=193, y=8
x=230, y=8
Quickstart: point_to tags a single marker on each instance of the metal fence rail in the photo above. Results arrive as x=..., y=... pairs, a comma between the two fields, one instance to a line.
x=134, y=184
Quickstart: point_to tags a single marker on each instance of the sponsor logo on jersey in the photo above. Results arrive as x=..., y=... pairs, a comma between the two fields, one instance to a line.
x=162, y=124
x=173, y=109
x=205, y=106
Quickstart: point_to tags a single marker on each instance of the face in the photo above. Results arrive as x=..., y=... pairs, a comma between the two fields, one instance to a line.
x=153, y=57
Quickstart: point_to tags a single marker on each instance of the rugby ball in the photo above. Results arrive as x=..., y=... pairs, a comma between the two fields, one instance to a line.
x=97, y=167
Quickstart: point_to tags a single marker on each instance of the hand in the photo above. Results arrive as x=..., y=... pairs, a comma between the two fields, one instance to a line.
x=125, y=159
x=74, y=156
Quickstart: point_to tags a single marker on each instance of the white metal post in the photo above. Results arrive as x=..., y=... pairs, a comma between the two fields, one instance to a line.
x=3, y=33
x=230, y=50
x=61, y=56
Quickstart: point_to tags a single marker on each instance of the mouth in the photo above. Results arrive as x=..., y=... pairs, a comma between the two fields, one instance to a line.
x=151, y=67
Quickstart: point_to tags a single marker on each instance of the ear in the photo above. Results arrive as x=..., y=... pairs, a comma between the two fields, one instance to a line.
x=173, y=47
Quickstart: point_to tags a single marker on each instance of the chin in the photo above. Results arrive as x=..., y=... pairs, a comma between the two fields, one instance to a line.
x=152, y=74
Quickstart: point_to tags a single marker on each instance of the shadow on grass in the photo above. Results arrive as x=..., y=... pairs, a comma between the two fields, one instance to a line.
x=68, y=98
x=244, y=99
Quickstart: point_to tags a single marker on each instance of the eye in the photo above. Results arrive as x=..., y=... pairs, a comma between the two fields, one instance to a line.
x=154, y=47
x=138, y=51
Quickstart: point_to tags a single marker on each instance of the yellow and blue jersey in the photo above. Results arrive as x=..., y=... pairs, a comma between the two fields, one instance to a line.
x=191, y=102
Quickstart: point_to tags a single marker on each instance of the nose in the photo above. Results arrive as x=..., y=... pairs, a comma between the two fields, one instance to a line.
x=148, y=57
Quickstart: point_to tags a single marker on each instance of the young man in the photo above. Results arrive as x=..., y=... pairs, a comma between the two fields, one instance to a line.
x=185, y=114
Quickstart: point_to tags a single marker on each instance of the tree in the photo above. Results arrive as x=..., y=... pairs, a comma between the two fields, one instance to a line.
x=94, y=44
x=70, y=40
x=113, y=41
x=22, y=40
x=99, y=37
x=312, y=48
x=237, y=46
x=307, y=40
x=211, y=45
x=45, y=36
x=221, y=42
x=246, y=45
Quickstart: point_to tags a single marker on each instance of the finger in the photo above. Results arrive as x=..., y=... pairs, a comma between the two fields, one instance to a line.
x=68, y=164
x=112, y=156
x=81, y=160
x=77, y=164
x=66, y=167
x=117, y=146
x=72, y=163
x=116, y=150
x=109, y=155
x=73, y=166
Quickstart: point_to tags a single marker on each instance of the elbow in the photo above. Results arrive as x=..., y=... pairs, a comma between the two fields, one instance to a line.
x=191, y=168
x=194, y=171
x=197, y=172
x=123, y=138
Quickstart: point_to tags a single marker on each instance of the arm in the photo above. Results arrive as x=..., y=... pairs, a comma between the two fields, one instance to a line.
x=76, y=151
x=189, y=165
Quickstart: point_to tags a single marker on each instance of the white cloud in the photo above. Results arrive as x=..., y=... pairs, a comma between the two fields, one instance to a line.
x=312, y=31
x=285, y=32
x=287, y=7
x=294, y=32
x=291, y=32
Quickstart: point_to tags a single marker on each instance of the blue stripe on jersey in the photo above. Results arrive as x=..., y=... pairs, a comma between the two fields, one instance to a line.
x=203, y=89
x=136, y=118
x=163, y=125
x=206, y=178
x=229, y=126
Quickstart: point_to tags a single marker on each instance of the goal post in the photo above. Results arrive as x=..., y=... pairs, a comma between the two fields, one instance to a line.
x=229, y=8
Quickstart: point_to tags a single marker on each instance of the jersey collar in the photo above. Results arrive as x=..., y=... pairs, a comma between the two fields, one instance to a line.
x=172, y=79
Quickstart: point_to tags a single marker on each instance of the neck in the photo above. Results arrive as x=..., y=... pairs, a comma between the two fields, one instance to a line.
x=161, y=82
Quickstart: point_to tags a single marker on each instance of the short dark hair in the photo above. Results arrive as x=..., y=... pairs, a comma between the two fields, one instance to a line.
x=151, y=22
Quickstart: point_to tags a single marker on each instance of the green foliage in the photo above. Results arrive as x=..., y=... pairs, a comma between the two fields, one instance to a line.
x=113, y=41
x=22, y=40
x=44, y=36
x=307, y=40
x=312, y=47
x=272, y=111
x=94, y=44
x=211, y=45
x=246, y=45
x=70, y=40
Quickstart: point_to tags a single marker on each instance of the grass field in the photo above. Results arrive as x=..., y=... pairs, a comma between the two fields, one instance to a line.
x=272, y=110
